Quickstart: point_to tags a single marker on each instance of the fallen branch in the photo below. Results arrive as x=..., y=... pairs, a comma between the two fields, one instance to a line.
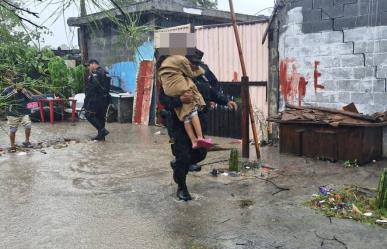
x=225, y=221
x=280, y=189
x=218, y=148
x=333, y=239
x=221, y=161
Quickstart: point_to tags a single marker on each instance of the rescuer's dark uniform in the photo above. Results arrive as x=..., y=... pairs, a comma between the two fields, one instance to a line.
x=185, y=156
x=97, y=100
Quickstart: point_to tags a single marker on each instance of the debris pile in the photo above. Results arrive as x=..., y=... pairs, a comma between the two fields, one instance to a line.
x=41, y=146
x=328, y=116
x=349, y=203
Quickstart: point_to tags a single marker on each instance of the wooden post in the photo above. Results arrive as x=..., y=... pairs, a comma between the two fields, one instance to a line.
x=245, y=118
x=246, y=101
x=83, y=35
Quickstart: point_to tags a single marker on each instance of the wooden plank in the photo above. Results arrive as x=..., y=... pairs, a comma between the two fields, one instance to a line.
x=291, y=139
x=351, y=108
x=160, y=107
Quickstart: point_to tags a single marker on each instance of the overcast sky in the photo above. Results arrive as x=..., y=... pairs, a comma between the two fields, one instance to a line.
x=61, y=34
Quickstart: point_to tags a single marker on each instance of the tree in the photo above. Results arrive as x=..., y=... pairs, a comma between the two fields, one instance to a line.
x=41, y=69
x=15, y=9
x=131, y=33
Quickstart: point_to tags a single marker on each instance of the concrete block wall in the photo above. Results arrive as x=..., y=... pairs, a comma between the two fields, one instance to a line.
x=334, y=52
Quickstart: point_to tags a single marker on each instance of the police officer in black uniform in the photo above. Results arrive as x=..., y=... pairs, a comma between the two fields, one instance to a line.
x=186, y=158
x=97, y=98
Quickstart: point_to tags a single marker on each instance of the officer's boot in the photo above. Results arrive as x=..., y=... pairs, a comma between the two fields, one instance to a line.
x=182, y=190
x=195, y=168
x=191, y=168
x=103, y=133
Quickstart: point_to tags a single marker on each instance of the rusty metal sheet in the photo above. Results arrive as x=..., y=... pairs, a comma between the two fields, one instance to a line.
x=143, y=96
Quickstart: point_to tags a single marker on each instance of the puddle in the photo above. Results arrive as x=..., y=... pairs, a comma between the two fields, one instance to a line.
x=103, y=185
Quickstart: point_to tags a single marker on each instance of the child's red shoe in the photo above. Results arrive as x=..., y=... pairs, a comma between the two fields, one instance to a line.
x=205, y=143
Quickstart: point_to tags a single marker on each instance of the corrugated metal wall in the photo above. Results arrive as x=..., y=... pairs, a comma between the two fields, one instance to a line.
x=124, y=73
x=221, y=53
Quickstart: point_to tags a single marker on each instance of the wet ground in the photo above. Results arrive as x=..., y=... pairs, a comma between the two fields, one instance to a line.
x=119, y=194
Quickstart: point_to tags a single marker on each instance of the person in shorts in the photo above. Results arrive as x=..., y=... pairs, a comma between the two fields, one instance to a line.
x=17, y=98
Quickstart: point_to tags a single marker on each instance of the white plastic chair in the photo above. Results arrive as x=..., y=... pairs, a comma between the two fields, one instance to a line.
x=80, y=98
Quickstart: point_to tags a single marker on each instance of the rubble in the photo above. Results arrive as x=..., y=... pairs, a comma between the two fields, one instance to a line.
x=329, y=116
x=40, y=146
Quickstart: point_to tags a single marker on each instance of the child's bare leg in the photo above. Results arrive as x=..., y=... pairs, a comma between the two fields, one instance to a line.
x=197, y=126
x=191, y=133
x=201, y=142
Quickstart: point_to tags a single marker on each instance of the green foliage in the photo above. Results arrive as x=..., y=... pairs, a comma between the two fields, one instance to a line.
x=349, y=203
x=238, y=101
x=132, y=34
x=39, y=71
x=351, y=164
x=65, y=81
x=58, y=72
x=22, y=60
x=76, y=79
x=381, y=198
x=234, y=160
x=131, y=30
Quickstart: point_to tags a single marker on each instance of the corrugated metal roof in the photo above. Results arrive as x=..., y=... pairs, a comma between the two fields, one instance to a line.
x=264, y=20
x=178, y=29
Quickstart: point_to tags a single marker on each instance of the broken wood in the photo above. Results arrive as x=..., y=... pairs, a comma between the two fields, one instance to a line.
x=351, y=108
x=334, y=111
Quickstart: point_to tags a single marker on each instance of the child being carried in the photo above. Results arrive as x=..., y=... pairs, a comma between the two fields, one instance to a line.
x=176, y=76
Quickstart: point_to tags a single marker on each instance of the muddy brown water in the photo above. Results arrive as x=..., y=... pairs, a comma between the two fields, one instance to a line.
x=119, y=194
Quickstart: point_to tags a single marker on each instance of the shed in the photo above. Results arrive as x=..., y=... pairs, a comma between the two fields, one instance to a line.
x=104, y=44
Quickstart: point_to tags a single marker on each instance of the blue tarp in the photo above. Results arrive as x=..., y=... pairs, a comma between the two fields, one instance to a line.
x=124, y=74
